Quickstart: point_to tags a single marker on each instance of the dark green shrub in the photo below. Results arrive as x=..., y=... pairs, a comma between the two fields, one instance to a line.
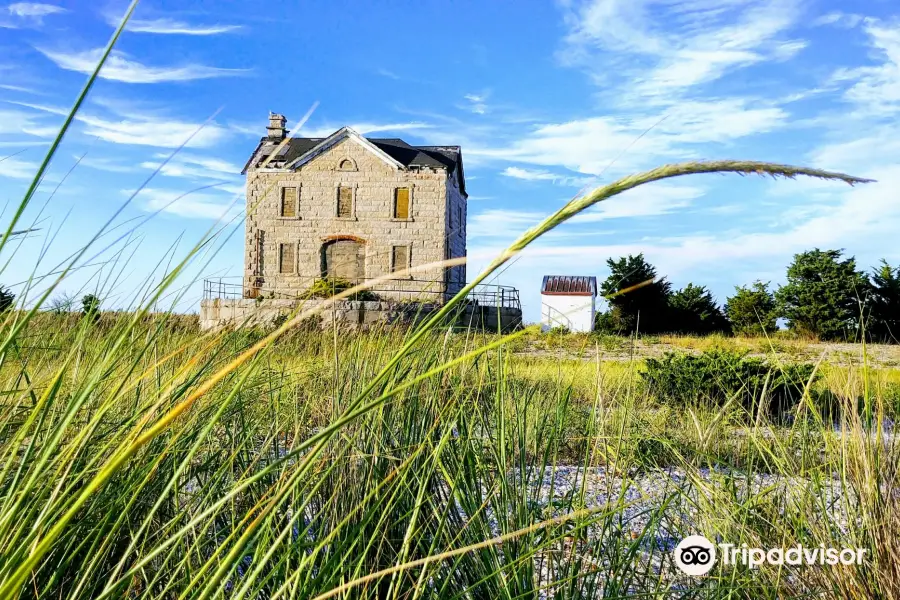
x=7, y=299
x=718, y=375
x=90, y=307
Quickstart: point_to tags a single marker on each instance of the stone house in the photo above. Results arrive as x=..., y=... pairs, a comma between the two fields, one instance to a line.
x=354, y=208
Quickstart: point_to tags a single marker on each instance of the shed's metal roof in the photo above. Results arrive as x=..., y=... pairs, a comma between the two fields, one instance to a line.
x=569, y=285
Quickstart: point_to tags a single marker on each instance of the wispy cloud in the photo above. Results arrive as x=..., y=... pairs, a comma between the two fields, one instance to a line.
x=119, y=67
x=477, y=103
x=497, y=223
x=196, y=167
x=875, y=90
x=673, y=46
x=27, y=14
x=107, y=165
x=145, y=130
x=154, y=132
x=540, y=175
x=16, y=168
x=193, y=205
x=839, y=19
x=389, y=74
x=21, y=122
x=362, y=128
x=648, y=200
x=167, y=26
x=622, y=143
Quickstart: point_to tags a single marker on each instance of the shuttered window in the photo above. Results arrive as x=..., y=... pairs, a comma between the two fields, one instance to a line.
x=345, y=202
x=260, y=252
x=289, y=202
x=399, y=258
x=401, y=203
x=286, y=258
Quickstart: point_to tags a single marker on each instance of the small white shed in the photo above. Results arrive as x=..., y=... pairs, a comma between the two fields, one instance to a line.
x=568, y=301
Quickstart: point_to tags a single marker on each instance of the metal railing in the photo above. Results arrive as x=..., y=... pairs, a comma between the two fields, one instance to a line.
x=487, y=295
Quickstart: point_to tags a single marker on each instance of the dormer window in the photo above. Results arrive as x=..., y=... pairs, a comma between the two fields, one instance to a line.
x=347, y=164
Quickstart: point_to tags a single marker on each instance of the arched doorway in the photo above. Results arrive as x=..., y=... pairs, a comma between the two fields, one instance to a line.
x=344, y=258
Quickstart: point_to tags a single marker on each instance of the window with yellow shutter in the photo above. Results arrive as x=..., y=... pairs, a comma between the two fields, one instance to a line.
x=289, y=202
x=401, y=203
x=345, y=202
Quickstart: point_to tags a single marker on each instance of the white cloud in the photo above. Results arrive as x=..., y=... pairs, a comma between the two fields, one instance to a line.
x=144, y=129
x=33, y=9
x=195, y=167
x=647, y=200
x=193, y=205
x=20, y=122
x=497, y=223
x=536, y=175
x=620, y=144
x=477, y=103
x=677, y=45
x=876, y=89
x=109, y=165
x=173, y=27
x=839, y=19
x=119, y=67
x=361, y=128
x=16, y=168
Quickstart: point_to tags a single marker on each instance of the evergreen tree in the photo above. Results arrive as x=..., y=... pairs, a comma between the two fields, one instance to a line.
x=824, y=295
x=7, y=299
x=884, y=313
x=633, y=289
x=694, y=310
x=90, y=307
x=752, y=310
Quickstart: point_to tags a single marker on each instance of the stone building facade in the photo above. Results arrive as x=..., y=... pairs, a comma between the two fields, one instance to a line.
x=353, y=208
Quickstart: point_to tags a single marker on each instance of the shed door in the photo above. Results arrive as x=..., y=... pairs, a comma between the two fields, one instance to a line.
x=344, y=259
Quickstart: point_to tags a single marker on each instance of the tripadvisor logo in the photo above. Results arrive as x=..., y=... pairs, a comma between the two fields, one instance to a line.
x=695, y=555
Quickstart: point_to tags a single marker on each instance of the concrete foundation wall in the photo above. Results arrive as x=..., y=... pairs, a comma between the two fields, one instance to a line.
x=244, y=312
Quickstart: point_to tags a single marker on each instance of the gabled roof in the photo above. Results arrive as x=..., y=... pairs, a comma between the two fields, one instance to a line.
x=569, y=285
x=299, y=150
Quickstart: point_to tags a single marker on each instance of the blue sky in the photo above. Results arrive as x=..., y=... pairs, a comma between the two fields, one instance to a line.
x=545, y=98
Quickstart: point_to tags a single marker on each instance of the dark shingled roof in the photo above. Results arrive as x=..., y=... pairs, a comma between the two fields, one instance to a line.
x=569, y=285
x=447, y=157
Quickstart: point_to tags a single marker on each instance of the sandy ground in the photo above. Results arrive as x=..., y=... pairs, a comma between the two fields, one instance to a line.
x=877, y=355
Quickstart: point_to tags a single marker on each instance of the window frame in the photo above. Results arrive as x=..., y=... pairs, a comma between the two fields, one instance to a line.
x=393, y=266
x=393, y=204
x=293, y=267
x=342, y=161
x=337, y=201
x=279, y=199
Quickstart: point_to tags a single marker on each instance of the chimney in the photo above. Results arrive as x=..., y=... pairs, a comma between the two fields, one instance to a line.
x=276, y=128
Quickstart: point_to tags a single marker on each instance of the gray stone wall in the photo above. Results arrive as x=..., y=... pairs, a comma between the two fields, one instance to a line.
x=216, y=314
x=456, y=233
x=435, y=205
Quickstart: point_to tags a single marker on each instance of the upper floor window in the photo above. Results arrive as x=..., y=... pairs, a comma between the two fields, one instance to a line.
x=289, y=198
x=345, y=202
x=347, y=165
x=401, y=203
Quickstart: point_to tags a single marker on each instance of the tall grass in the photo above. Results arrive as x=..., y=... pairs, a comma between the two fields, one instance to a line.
x=143, y=460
